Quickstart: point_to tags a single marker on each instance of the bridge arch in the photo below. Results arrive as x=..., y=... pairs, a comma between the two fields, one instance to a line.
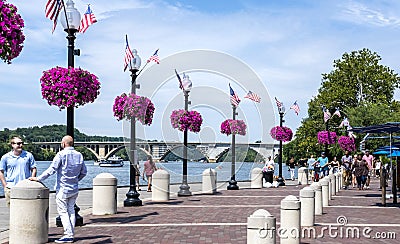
x=116, y=149
x=194, y=154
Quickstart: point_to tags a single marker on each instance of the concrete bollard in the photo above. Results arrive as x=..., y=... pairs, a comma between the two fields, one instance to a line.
x=256, y=178
x=302, y=176
x=325, y=192
x=160, y=186
x=307, y=213
x=333, y=185
x=104, y=194
x=209, y=181
x=337, y=180
x=290, y=229
x=261, y=228
x=340, y=175
x=29, y=213
x=318, y=198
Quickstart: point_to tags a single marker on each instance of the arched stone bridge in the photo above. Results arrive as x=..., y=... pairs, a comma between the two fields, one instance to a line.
x=159, y=150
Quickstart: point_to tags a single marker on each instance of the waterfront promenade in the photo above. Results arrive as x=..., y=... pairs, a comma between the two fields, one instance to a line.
x=222, y=218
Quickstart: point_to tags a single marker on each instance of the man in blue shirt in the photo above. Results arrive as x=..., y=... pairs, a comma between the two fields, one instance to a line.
x=70, y=169
x=323, y=163
x=16, y=166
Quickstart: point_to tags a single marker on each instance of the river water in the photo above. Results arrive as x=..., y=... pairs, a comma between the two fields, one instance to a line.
x=195, y=170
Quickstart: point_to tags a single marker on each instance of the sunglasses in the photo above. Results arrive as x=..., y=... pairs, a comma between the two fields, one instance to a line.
x=18, y=143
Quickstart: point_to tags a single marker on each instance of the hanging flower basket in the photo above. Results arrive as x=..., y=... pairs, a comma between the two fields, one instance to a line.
x=327, y=137
x=281, y=133
x=70, y=87
x=190, y=120
x=231, y=126
x=132, y=105
x=347, y=143
x=11, y=35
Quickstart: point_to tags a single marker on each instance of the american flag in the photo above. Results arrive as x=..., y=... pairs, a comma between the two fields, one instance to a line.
x=87, y=20
x=327, y=115
x=179, y=79
x=252, y=96
x=154, y=57
x=53, y=8
x=128, y=55
x=234, y=98
x=337, y=112
x=295, y=107
x=279, y=104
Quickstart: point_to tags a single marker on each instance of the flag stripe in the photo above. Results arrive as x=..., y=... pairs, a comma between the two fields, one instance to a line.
x=53, y=8
x=252, y=96
x=87, y=20
x=154, y=57
x=234, y=97
x=279, y=104
x=295, y=107
x=128, y=55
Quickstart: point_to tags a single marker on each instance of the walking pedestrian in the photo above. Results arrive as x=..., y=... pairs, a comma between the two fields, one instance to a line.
x=368, y=158
x=334, y=165
x=360, y=171
x=16, y=166
x=70, y=169
x=323, y=163
x=347, y=162
x=137, y=175
x=310, y=163
x=292, y=166
x=149, y=168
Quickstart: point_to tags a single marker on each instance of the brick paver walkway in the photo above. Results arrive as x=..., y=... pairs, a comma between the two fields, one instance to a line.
x=222, y=218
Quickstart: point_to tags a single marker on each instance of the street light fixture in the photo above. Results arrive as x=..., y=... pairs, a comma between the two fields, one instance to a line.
x=280, y=180
x=70, y=23
x=132, y=197
x=233, y=183
x=184, y=188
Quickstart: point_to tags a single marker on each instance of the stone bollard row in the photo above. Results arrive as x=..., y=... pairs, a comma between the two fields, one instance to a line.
x=261, y=228
x=316, y=186
x=307, y=213
x=209, y=184
x=29, y=213
x=290, y=230
x=337, y=180
x=160, y=186
x=256, y=178
x=104, y=194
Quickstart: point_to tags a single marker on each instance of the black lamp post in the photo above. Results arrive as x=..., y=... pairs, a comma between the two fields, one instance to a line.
x=132, y=197
x=280, y=180
x=70, y=23
x=184, y=188
x=233, y=183
x=326, y=121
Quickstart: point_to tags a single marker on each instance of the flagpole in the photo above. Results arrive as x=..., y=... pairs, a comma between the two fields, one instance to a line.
x=233, y=183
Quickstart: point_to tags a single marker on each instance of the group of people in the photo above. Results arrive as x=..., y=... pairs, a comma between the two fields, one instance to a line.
x=18, y=165
x=356, y=169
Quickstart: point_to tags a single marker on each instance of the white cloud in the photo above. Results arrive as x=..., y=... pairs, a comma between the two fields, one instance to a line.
x=288, y=46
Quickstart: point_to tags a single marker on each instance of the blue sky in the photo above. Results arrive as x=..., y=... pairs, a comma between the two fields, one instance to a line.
x=288, y=44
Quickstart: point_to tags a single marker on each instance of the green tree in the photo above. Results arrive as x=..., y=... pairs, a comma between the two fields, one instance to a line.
x=361, y=87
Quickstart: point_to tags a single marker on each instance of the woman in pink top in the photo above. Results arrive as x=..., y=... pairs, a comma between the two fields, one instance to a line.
x=149, y=168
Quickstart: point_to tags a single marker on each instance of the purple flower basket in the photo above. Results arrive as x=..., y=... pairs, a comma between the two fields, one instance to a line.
x=134, y=106
x=186, y=120
x=347, y=143
x=327, y=137
x=70, y=87
x=231, y=126
x=11, y=35
x=281, y=133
